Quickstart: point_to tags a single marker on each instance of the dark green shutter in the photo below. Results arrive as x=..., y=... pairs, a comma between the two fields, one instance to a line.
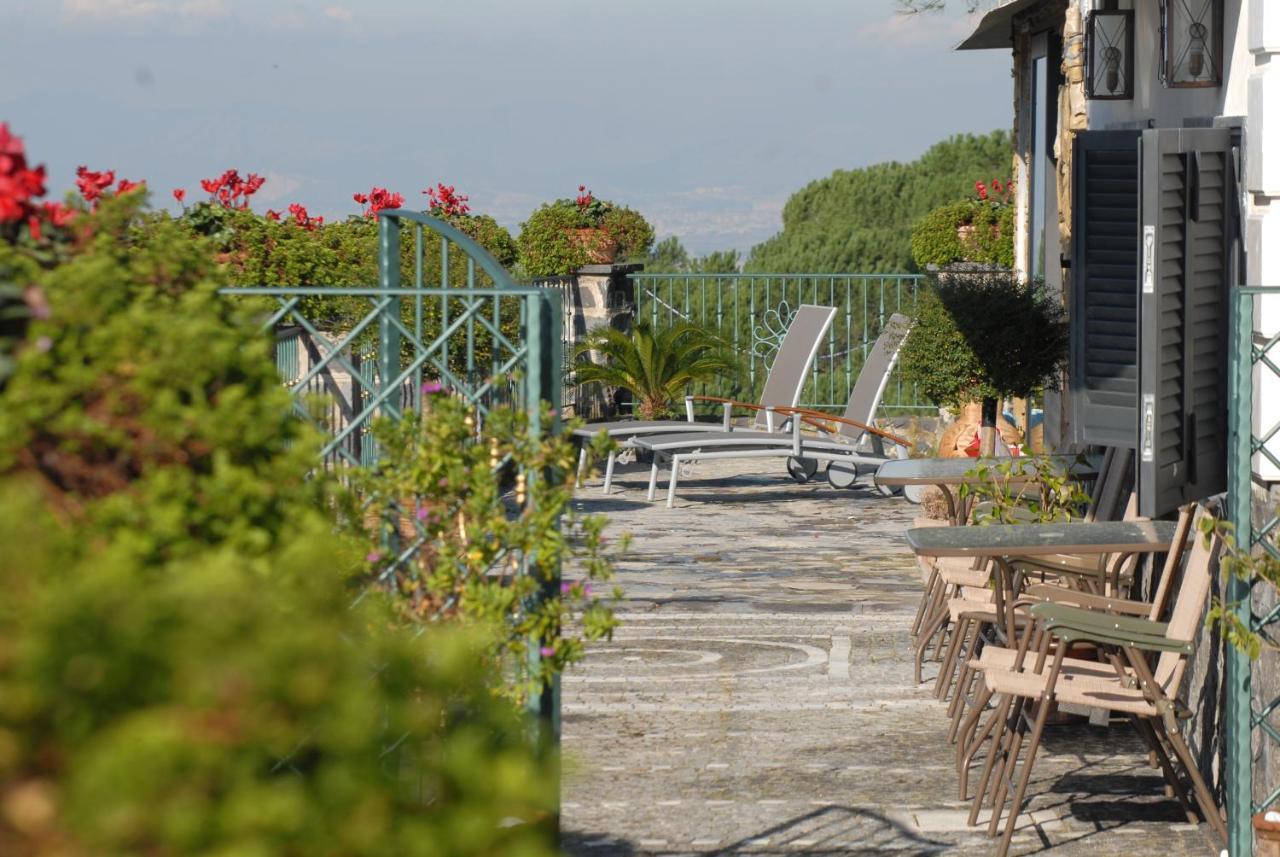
x=1104, y=294
x=1187, y=212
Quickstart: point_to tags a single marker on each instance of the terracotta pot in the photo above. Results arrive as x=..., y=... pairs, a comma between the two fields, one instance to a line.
x=600, y=246
x=1268, y=836
x=956, y=438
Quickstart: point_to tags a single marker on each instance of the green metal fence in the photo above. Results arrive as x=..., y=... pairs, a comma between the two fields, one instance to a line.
x=445, y=311
x=1252, y=732
x=750, y=312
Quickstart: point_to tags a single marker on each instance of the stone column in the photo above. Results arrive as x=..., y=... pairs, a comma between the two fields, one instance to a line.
x=603, y=296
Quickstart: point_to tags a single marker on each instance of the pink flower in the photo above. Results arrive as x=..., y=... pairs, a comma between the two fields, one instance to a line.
x=373, y=556
x=546, y=651
x=431, y=388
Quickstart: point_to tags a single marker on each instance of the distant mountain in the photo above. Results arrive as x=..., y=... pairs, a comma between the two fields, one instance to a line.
x=860, y=220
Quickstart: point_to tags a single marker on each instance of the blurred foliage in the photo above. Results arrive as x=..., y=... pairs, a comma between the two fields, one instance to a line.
x=984, y=336
x=861, y=220
x=196, y=706
x=181, y=668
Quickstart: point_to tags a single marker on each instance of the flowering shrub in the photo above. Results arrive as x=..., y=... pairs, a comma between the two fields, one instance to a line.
x=550, y=246
x=231, y=191
x=20, y=185
x=490, y=505
x=974, y=230
x=996, y=193
x=377, y=199
x=443, y=201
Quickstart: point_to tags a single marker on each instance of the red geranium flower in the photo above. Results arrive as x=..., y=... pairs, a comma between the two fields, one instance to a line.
x=179, y=194
x=444, y=201
x=378, y=199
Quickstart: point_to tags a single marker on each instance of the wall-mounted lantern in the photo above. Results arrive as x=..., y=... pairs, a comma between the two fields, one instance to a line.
x=1191, y=42
x=1109, y=54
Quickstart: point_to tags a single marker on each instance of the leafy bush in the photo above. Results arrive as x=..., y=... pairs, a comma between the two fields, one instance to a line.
x=196, y=707
x=487, y=504
x=984, y=336
x=549, y=245
x=149, y=391
x=970, y=231
x=181, y=668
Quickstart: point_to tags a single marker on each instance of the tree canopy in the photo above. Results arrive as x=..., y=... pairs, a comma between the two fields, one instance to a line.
x=861, y=220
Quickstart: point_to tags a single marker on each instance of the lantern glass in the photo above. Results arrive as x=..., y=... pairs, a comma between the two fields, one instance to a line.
x=1109, y=35
x=1192, y=43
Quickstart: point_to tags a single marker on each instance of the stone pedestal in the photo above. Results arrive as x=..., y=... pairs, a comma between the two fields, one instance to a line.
x=602, y=296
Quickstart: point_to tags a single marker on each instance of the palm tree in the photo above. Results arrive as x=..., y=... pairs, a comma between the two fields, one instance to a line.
x=656, y=366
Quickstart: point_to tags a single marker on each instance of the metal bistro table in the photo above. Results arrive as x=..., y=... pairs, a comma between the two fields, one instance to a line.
x=1122, y=539
x=947, y=473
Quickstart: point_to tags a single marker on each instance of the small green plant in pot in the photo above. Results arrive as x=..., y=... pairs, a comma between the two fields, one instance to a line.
x=656, y=366
x=564, y=235
x=986, y=337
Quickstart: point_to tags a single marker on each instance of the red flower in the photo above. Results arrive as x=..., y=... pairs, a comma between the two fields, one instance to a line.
x=444, y=201
x=378, y=199
x=19, y=183
x=92, y=184
x=59, y=215
x=127, y=186
x=981, y=189
x=995, y=186
x=231, y=191
x=303, y=219
x=273, y=215
x=179, y=194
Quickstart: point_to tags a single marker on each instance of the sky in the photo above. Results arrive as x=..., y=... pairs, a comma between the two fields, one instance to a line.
x=704, y=115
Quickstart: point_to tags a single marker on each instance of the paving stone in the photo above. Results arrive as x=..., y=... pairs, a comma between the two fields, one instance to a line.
x=759, y=696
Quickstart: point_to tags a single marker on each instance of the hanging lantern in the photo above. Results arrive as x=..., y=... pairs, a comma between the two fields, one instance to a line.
x=1191, y=42
x=1109, y=54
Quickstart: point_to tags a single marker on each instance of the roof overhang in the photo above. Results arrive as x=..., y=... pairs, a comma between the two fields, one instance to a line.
x=995, y=28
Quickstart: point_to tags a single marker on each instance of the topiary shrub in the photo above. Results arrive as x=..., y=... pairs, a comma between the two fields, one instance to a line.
x=984, y=337
x=554, y=240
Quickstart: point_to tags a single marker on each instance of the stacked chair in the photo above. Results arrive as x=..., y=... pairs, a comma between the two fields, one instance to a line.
x=1009, y=678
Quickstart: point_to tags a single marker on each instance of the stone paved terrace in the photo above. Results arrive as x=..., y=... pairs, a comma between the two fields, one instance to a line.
x=758, y=698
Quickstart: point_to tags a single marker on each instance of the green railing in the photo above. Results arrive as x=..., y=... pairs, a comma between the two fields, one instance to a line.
x=444, y=311
x=1251, y=732
x=750, y=312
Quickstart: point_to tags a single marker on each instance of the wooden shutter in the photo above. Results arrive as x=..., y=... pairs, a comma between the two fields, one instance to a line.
x=1104, y=294
x=1187, y=214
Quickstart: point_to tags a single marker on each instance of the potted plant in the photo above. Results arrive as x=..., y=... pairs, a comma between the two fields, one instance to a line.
x=564, y=235
x=985, y=337
x=655, y=366
x=976, y=231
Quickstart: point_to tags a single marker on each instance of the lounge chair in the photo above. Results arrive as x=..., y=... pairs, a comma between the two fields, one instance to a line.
x=787, y=374
x=1042, y=672
x=841, y=442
